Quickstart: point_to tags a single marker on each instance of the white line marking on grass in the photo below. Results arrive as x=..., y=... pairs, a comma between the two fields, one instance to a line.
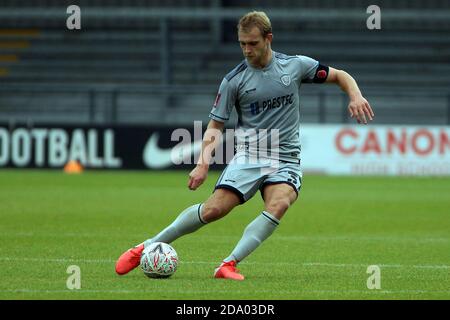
x=293, y=264
x=165, y=290
x=365, y=238
x=344, y=265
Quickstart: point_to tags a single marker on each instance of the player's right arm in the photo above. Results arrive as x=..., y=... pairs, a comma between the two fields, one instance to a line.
x=211, y=140
x=220, y=113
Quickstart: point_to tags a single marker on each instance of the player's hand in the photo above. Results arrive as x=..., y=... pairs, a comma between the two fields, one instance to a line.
x=360, y=109
x=197, y=177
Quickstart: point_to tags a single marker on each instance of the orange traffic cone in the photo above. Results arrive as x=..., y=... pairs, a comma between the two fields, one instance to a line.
x=73, y=166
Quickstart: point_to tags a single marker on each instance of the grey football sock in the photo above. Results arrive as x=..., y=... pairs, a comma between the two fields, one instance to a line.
x=188, y=221
x=256, y=232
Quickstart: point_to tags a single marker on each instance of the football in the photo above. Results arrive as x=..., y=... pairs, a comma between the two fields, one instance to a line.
x=159, y=260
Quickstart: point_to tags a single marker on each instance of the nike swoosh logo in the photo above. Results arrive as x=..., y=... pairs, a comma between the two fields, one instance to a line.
x=156, y=158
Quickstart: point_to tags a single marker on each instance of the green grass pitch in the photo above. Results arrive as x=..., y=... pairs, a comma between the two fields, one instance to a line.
x=322, y=249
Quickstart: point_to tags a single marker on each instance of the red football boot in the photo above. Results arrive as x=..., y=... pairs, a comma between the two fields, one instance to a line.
x=227, y=270
x=129, y=260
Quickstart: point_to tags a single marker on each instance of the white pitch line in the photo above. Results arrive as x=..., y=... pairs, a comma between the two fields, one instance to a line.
x=324, y=264
x=293, y=264
x=121, y=291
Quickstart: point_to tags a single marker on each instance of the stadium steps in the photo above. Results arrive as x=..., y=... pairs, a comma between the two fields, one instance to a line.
x=12, y=43
x=332, y=4
x=363, y=52
x=108, y=3
x=59, y=56
x=367, y=77
x=126, y=57
x=138, y=57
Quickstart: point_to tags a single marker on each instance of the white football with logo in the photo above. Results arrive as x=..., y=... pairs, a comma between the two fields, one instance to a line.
x=159, y=260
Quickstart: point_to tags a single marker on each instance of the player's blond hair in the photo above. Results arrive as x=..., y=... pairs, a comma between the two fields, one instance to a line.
x=257, y=19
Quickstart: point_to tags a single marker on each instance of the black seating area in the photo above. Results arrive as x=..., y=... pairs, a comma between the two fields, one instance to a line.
x=181, y=59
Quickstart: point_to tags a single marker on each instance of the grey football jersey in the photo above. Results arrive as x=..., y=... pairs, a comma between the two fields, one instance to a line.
x=267, y=103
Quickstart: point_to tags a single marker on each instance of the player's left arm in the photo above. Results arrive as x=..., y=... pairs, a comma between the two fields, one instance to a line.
x=358, y=106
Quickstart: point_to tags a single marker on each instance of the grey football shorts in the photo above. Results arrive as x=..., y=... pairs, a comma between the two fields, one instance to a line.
x=245, y=178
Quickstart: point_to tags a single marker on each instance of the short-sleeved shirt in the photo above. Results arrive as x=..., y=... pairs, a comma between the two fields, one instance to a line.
x=267, y=103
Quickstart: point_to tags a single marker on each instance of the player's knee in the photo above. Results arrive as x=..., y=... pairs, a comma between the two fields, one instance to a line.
x=278, y=207
x=212, y=212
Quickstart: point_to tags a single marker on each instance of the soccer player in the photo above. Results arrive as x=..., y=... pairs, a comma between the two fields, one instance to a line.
x=264, y=90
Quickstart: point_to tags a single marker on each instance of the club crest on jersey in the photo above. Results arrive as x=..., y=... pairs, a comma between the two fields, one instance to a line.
x=286, y=79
